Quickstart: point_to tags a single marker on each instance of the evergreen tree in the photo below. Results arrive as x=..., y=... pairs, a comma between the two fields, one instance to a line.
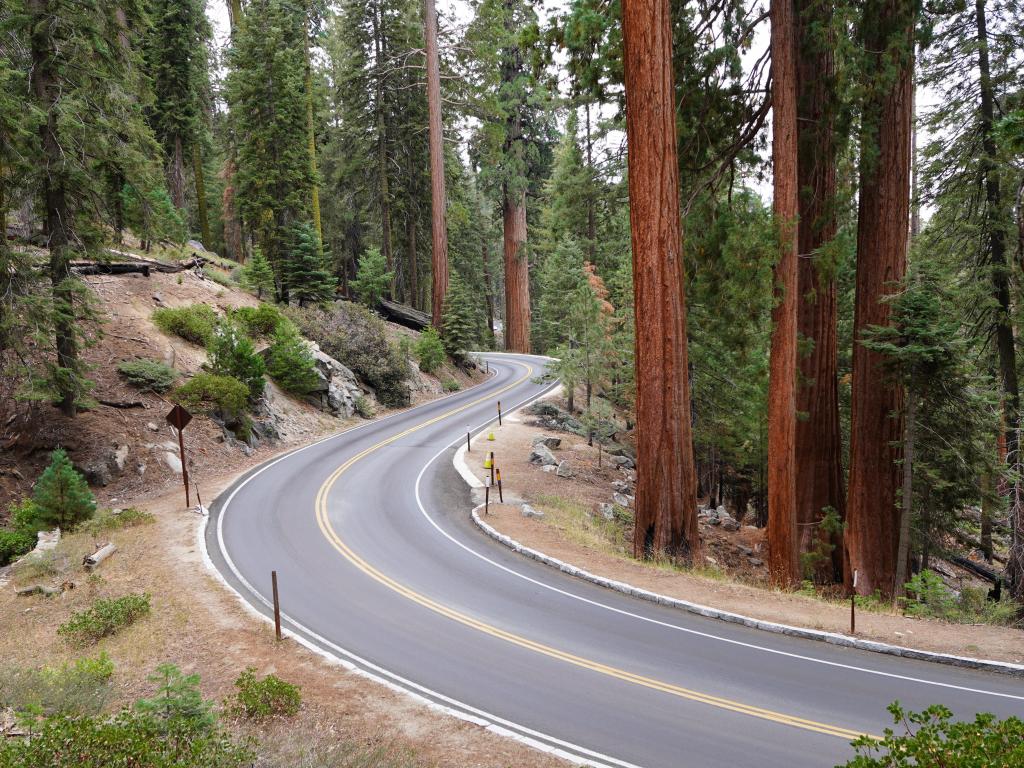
x=257, y=275
x=308, y=278
x=461, y=330
x=232, y=354
x=266, y=91
x=561, y=275
x=372, y=278
x=290, y=362
x=61, y=495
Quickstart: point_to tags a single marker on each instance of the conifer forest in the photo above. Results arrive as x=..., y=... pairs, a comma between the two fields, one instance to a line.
x=775, y=247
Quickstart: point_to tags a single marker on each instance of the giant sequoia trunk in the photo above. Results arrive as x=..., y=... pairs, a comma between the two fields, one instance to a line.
x=200, y=183
x=438, y=199
x=233, y=238
x=783, y=560
x=383, y=191
x=517, y=274
x=819, y=470
x=666, y=487
x=872, y=532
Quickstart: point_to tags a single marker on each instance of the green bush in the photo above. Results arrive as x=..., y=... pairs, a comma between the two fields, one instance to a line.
x=178, y=699
x=290, y=362
x=61, y=496
x=430, y=350
x=105, y=617
x=257, y=698
x=372, y=277
x=108, y=521
x=76, y=689
x=364, y=407
x=224, y=394
x=194, y=323
x=218, y=276
x=232, y=354
x=929, y=597
x=259, y=321
x=356, y=337
x=451, y=385
x=147, y=375
x=930, y=738
x=14, y=544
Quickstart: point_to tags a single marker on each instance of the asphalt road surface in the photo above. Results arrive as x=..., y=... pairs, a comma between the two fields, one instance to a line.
x=379, y=564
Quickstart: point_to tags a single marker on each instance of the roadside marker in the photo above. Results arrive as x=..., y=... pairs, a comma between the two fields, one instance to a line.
x=853, y=605
x=501, y=498
x=499, y=413
x=277, y=605
x=487, y=495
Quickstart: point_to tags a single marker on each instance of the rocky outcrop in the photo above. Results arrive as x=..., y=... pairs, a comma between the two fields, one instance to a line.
x=337, y=388
x=542, y=455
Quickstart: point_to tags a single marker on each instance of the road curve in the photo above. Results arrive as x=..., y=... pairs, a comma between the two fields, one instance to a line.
x=379, y=565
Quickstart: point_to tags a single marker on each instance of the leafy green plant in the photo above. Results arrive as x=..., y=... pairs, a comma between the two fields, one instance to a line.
x=61, y=496
x=259, y=321
x=194, y=323
x=105, y=617
x=177, y=699
x=147, y=375
x=218, y=276
x=257, y=699
x=817, y=560
x=290, y=362
x=224, y=394
x=927, y=595
x=14, y=544
x=451, y=385
x=73, y=689
x=364, y=407
x=931, y=738
x=232, y=354
x=372, y=278
x=430, y=350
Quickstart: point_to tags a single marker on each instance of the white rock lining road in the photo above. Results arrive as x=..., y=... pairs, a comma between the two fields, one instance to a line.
x=381, y=569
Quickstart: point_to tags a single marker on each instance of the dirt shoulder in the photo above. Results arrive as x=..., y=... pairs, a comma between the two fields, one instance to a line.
x=199, y=625
x=575, y=531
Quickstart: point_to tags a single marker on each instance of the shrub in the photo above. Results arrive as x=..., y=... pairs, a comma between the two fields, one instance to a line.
x=290, y=362
x=108, y=521
x=224, y=394
x=257, y=698
x=14, y=544
x=232, y=354
x=259, y=321
x=451, y=385
x=194, y=323
x=430, y=350
x=355, y=336
x=178, y=699
x=61, y=496
x=76, y=689
x=931, y=739
x=147, y=375
x=928, y=596
x=218, y=276
x=104, y=618
x=257, y=275
x=364, y=407
x=130, y=738
x=372, y=278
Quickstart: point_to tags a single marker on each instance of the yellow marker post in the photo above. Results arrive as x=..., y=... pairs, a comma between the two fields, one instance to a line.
x=490, y=436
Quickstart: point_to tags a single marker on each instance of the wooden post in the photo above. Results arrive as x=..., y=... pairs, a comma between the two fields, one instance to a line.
x=501, y=498
x=487, y=499
x=853, y=606
x=499, y=413
x=184, y=466
x=492, y=467
x=598, y=455
x=469, y=449
x=277, y=606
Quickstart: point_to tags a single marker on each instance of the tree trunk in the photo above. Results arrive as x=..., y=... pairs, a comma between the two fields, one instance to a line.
x=176, y=175
x=783, y=559
x=818, y=453
x=311, y=139
x=233, y=244
x=872, y=531
x=384, y=194
x=517, y=275
x=1000, y=288
x=666, y=487
x=488, y=288
x=410, y=241
x=591, y=203
x=438, y=197
x=907, y=495
x=58, y=214
x=200, y=182
x=235, y=16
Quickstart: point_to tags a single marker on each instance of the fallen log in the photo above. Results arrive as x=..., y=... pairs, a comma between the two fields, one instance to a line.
x=403, y=314
x=91, y=561
x=39, y=589
x=99, y=268
x=976, y=568
x=122, y=403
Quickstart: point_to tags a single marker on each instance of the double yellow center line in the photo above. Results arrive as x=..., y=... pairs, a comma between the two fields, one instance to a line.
x=331, y=535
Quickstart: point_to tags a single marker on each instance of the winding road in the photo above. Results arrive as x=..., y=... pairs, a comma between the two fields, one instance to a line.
x=380, y=566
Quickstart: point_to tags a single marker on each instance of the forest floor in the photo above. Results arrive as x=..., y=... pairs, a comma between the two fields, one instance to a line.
x=735, y=576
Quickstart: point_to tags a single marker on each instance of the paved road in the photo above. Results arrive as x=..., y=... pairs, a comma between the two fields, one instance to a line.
x=379, y=564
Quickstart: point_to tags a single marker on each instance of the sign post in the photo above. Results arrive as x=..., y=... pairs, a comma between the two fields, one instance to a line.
x=179, y=419
x=853, y=605
x=499, y=413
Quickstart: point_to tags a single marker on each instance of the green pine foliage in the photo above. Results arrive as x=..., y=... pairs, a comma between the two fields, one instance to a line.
x=430, y=350
x=290, y=362
x=177, y=699
x=224, y=395
x=194, y=323
x=308, y=279
x=460, y=321
x=259, y=322
x=372, y=278
x=561, y=276
x=147, y=375
x=257, y=275
x=232, y=354
x=61, y=496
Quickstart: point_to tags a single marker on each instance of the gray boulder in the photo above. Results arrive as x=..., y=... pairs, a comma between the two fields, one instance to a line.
x=548, y=441
x=607, y=511
x=542, y=455
x=337, y=389
x=621, y=500
x=564, y=469
x=529, y=511
x=622, y=461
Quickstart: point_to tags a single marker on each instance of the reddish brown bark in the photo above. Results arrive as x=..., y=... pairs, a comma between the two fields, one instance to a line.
x=819, y=470
x=232, y=223
x=517, y=276
x=783, y=560
x=666, y=487
x=176, y=174
x=882, y=228
x=438, y=221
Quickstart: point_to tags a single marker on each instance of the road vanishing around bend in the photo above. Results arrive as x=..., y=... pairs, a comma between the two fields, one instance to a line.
x=379, y=564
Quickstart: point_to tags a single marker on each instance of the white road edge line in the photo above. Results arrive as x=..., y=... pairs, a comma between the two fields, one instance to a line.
x=354, y=663
x=706, y=611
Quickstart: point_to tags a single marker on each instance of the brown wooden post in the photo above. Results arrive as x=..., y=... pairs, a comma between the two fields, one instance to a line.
x=277, y=606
